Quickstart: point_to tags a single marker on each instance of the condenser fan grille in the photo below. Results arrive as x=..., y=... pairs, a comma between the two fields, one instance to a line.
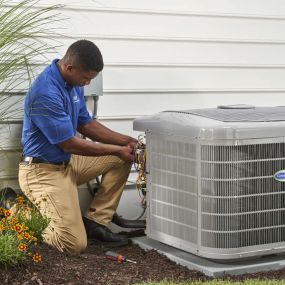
x=241, y=202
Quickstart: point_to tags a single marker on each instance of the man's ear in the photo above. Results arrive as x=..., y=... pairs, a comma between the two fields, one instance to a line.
x=69, y=67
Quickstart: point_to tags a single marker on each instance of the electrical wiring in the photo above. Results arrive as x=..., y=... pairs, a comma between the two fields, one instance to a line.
x=139, y=162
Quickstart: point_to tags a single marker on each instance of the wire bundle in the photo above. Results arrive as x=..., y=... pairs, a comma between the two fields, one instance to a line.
x=140, y=166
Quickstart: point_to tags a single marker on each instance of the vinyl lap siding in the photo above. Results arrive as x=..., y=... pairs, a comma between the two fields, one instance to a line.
x=163, y=55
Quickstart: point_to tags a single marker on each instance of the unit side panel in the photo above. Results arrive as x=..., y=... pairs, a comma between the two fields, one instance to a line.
x=172, y=190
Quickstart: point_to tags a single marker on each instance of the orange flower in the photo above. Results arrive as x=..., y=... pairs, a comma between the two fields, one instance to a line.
x=37, y=258
x=2, y=211
x=26, y=236
x=8, y=213
x=22, y=247
x=18, y=228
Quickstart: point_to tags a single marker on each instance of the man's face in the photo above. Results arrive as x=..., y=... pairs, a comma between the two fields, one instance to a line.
x=77, y=77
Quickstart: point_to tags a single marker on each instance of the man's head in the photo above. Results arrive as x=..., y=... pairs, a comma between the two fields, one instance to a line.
x=81, y=63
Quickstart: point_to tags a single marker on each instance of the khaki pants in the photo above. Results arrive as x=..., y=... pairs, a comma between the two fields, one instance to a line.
x=53, y=188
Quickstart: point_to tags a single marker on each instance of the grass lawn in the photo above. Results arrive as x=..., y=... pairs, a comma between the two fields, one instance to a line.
x=219, y=282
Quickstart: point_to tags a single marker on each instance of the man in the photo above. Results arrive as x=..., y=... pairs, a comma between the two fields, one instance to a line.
x=55, y=160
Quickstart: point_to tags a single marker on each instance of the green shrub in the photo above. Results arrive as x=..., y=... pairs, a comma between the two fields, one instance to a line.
x=9, y=249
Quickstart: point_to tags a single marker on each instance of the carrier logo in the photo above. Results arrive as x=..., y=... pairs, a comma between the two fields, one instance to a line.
x=280, y=175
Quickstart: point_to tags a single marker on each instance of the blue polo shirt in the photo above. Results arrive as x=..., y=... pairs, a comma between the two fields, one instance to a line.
x=52, y=111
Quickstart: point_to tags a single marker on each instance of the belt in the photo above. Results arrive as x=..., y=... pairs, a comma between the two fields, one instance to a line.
x=39, y=160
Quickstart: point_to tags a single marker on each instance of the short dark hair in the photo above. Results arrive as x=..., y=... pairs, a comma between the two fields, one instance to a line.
x=86, y=55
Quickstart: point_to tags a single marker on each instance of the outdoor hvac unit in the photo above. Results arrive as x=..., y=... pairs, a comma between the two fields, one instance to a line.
x=216, y=180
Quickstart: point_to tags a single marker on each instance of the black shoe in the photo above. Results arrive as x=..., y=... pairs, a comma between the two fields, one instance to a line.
x=130, y=224
x=7, y=198
x=102, y=235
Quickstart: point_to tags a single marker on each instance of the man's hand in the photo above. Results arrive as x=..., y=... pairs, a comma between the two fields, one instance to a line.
x=126, y=154
x=132, y=143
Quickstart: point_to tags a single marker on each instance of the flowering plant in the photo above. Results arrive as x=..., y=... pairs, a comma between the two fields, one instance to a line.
x=20, y=230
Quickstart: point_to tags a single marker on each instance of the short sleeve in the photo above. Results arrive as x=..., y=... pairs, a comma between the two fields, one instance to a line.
x=48, y=114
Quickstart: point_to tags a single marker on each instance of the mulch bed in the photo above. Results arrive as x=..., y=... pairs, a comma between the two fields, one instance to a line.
x=92, y=267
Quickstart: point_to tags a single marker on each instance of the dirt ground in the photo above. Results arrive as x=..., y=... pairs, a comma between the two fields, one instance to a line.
x=92, y=267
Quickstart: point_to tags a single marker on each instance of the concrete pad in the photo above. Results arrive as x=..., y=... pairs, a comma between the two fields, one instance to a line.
x=209, y=267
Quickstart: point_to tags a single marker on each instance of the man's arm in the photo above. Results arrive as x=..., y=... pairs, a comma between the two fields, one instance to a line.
x=83, y=147
x=97, y=132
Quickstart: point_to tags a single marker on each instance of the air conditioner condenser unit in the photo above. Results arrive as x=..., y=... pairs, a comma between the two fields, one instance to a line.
x=216, y=180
